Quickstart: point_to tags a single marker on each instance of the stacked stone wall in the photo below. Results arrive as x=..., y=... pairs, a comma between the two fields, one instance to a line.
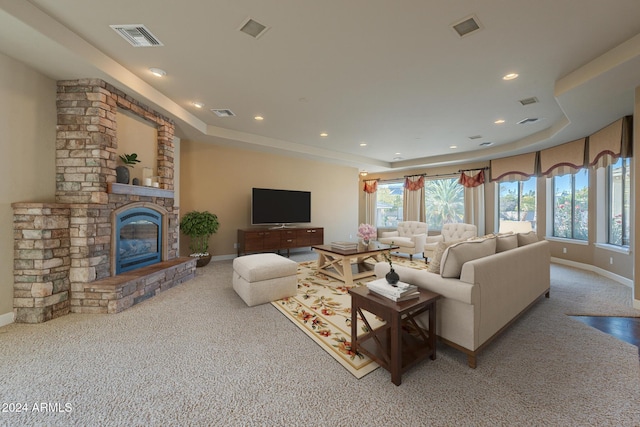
x=41, y=262
x=61, y=247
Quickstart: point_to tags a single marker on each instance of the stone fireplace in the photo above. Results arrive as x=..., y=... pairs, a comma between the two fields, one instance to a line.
x=101, y=246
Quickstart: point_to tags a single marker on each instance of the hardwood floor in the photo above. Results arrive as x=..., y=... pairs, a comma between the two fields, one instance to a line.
x=624, y=328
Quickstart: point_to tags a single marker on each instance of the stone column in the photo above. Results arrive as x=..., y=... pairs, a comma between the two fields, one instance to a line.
x=41, y=261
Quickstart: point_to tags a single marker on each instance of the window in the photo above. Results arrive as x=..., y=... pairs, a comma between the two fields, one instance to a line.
x=517, y=201
x=444, y=202
x=619, y=185
x=389, y=204
x=571, y=206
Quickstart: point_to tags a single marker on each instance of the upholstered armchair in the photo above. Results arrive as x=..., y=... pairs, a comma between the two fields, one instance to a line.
x=450, y=232
x=410, y=236
x=514, y=226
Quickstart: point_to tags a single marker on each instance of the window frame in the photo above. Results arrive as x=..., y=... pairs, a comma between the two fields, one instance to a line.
x=625, y=166
x=572, y=220
x=520, y=193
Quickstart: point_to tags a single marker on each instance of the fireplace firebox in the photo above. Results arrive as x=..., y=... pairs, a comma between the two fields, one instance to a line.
x=138, y=239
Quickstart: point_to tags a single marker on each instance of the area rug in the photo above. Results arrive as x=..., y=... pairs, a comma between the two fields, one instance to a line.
x=322, y=309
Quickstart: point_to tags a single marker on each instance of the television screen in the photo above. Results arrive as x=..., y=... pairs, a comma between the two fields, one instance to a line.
x=269, y=206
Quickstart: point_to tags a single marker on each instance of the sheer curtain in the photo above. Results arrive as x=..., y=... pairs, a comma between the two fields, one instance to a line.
x=414, y=199
x=370, y=201
x=473, y=183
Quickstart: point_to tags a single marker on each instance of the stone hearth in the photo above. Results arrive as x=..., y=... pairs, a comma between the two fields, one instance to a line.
x=63, y=257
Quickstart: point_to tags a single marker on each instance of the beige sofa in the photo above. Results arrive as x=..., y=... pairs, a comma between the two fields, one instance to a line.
x=490, y=291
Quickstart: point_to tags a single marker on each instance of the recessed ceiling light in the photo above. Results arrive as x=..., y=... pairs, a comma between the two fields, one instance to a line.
x=324, y=134
x=158, y=72
x=453, y=147
x=258, y=118
x=364, y=173
x=198, y=104
x=510, y=76
x=499, y=121
x=397, y=154
x=363, y=144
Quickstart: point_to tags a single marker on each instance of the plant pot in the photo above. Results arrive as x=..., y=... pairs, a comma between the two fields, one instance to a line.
x=201, y=261
x=122, y=175
x=392, y=277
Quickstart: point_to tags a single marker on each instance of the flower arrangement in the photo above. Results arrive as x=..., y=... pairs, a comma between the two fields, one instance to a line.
x=367, y=232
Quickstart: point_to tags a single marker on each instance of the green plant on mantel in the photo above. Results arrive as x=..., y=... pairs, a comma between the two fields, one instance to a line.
x=199, y=226
x=129, y=159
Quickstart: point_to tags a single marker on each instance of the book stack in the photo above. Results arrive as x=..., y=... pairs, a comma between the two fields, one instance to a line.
x=345, y=246
x=400, y=292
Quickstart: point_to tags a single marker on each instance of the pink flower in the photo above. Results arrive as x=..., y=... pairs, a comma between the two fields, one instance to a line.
x=367, y=232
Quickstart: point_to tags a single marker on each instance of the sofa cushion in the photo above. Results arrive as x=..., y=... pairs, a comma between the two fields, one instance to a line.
x=504, y=242
x=527, y=238
x=434, y=264
x=456, y=255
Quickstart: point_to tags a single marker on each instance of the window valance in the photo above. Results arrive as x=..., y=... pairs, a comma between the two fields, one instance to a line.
x=515, y=168
x=611, y=143
x=370, y=186
x=563, y=159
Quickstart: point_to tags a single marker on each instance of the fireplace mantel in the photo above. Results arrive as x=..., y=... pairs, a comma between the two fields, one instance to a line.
x=138, y=190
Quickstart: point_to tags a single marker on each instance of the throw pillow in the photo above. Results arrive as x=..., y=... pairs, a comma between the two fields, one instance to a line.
x=505, y=242
x=456, y=255
x=434, y=264
x=527, y=238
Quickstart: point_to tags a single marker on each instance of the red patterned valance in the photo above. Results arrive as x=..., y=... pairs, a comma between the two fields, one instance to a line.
x=413, y=183
x=470, y=181
x=370, y=186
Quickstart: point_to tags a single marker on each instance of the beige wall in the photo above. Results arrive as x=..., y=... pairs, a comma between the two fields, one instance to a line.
x=219, y=179
x=27, y=138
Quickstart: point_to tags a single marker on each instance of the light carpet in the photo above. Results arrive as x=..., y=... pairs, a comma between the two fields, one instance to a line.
x=196, y=355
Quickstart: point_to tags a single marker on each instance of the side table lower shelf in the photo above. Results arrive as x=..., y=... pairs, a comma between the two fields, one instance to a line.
x=401, y=342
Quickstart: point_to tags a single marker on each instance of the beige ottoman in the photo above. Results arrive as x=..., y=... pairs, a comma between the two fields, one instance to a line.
x=262, y=278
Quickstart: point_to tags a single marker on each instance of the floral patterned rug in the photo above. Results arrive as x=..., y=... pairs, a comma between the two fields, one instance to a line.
x=322, y=309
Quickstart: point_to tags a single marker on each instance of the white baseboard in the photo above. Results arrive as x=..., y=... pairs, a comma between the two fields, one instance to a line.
x=602, y=272
x=7, y=318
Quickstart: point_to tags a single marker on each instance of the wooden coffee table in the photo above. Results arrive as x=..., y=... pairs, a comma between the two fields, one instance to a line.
x=400, y=343
x=337, y=263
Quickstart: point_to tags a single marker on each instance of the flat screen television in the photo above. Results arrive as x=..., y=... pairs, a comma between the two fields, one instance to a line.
x=270, y=206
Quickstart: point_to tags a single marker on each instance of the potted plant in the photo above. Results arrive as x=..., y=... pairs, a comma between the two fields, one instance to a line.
x=199, y=226
x=122, y=172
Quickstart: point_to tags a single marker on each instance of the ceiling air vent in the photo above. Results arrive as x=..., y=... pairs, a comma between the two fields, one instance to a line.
x=223, y=112
x=475, y=137
x=529, y=101
x=528, y=120
x=467, y=26
x=253, y=28
x=137, y=35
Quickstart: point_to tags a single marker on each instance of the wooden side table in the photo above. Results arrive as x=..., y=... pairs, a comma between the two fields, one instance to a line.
x=401, y=342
